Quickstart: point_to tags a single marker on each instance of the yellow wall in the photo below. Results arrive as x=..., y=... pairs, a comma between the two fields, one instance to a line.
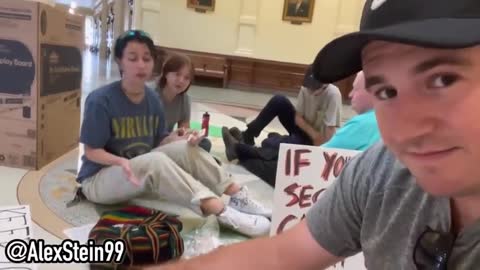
x=252, y=28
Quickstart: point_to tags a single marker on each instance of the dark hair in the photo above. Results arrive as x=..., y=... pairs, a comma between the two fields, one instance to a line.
x=133, y=35
x=174, y=63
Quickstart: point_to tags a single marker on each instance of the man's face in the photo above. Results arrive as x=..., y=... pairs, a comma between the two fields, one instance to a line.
x=361, y=100
x=428, y=112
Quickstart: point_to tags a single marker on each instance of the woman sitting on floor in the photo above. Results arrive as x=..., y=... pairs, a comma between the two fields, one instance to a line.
x=176, y=78
x=127, y=151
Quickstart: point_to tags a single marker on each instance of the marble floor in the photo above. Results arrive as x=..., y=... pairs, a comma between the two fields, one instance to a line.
x=97, y=72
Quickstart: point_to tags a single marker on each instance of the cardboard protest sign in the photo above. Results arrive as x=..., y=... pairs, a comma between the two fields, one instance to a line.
x=303, y=173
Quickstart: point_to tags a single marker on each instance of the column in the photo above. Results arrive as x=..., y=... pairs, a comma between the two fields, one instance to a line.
x=103, y=32
x=247, y=27
x=128, y=21
x=137, y=14
x=119, y=7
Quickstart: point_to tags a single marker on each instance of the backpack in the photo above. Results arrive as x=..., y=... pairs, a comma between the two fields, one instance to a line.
x=150, y=236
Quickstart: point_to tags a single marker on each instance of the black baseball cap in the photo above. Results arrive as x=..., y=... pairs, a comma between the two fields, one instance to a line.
x=310, y=82
x=443, y=24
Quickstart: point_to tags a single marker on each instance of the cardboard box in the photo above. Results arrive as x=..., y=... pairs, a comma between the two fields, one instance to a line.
x=40, y=83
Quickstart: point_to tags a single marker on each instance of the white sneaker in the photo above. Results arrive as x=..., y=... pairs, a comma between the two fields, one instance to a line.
x=250, y=225
x=243, y=203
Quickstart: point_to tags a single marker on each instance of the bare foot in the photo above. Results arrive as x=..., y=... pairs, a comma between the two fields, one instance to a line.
x=232, y=189
x=212, y=206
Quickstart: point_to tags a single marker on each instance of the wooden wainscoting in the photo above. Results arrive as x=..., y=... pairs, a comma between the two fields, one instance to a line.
x=264, y=75
x=211, y=66
x=345, y=87
x=248, y=74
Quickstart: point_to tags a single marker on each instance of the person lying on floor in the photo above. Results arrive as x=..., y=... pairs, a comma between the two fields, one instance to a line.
x=176, y=78
x=358, y=133
x=127, y=153
x=312, y=122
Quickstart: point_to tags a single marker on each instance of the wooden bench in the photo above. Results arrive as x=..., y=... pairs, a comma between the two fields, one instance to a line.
x=210, y=66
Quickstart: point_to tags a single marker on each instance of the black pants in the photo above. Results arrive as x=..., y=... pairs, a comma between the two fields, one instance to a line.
x=278, y=106
x=281, y=107
x=264, y=169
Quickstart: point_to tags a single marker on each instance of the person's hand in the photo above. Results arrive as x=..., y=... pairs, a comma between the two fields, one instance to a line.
x=189, y=131
x=125, y=164
x=298, y=119
x=179, y=134
x=183, y=132
x=175, y=136
x=180, y=131
x=318, y=140
x=194, y=138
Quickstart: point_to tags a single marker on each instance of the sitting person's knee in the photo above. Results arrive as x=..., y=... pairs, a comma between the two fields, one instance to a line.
x=181, y=145
x=280, y=99
x=156, y=157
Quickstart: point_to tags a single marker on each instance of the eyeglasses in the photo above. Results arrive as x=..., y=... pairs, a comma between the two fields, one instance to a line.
x=433, y=250
x=131, y=33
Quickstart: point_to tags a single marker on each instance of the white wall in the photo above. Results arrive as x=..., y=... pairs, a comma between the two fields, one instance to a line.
x=251, y=28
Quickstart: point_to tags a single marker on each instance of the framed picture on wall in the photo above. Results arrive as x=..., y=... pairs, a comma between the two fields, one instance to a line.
x=201, y=5
x=298, y=11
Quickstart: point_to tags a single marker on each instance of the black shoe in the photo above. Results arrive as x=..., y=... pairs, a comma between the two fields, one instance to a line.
x=242, y=137
x=230, y=143
x=273, y=134
x=236, y=133
x=247, y=138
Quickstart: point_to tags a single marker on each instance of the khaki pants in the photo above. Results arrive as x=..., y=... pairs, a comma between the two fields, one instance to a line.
x=176, y=172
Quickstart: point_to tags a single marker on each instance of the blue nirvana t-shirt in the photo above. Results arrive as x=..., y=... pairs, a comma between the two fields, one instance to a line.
x=121, y=127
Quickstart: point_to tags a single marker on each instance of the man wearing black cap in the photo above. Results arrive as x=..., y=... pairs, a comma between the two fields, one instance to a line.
x=412, y=201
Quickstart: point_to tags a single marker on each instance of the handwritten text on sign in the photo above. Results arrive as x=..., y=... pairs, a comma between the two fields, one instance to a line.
x=303, y=174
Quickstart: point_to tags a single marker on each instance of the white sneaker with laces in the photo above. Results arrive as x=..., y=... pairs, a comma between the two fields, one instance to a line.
x=250, y=225
x=243, y=203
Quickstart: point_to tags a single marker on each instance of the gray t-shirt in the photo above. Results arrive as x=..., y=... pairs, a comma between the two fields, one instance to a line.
x=376, y=207
x=177, y=110
x=323, y=110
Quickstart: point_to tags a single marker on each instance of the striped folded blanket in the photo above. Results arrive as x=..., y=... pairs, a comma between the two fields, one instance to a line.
x=151, y=236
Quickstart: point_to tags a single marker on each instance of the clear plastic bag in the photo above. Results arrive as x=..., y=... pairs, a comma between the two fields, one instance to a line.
x=203, y=239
